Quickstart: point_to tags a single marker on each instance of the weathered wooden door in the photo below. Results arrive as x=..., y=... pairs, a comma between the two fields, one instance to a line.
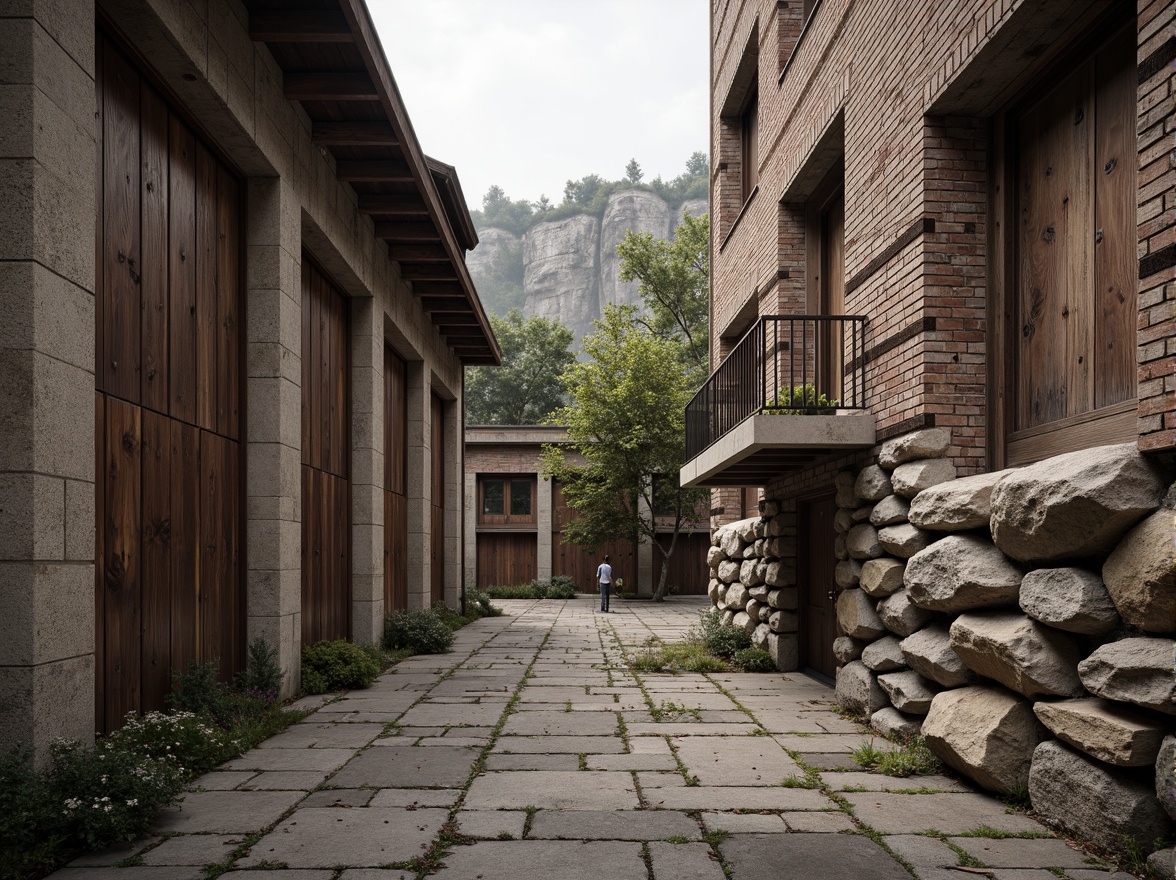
x=168, y=313
x=506, y=558
x=580, y=564
x=815, y=563
x=437, y=541
x=395, y=482
x=1073, y=310
x=688, y=568
x=326, y=458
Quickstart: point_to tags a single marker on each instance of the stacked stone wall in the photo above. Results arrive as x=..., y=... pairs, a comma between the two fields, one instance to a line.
x=1023, y=621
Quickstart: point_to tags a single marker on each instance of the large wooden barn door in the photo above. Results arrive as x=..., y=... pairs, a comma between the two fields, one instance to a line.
x=395, y=482
x=818, y=589
x=1073, y=314
x=506, y=558
x=437, y=499
x=688, y=569
x=579, y=563
x=326, y=459
x=168, y=379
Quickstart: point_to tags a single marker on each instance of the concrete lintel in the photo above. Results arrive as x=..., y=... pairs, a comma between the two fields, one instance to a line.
x=515, y=434
x=848, y=429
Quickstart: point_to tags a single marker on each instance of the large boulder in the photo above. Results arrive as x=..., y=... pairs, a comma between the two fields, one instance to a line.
x=891, y=723
x=960, y=573
x=1140, y=574
x=881, y=577
x=1072, y=599
x=844, y=481
x=889, y=511
x=984, y=732
x=862, y=514
x=902, y=616
x=1019, y=652
x=857, y=689
x=1166, y=775
x=846, y=649
x=873, y=484
x=927, y=443
x=746, y=529
x=857, y=617
x=915, y=476
x=745, y=621
x=730, y=543
x=908, y=691
x=782, y=621
x=759, y=636
x=1135, y=670
x=787, y=598
x=847, y=573
x=842, y=520
x=930, y=654
x=862, y=542
x=714, y=556
x=728, y=571
x=737, y=596
x=903, y=540
x=713, y=590
x=1091, y=801
x=957, y=505
x=1112, y=732
x=780, y=573
x=1075, y=505
x=750, y=574
x=785, y=651
x=753, y=610
x=884, y=655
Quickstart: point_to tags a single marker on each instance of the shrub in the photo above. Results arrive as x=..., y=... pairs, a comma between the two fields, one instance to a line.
x=422, y=631
x=262, y=677
x=340, y=665
x=32, y=827
x=190, y=743
x=199, y=691
x=720, y=639
x=559, y=587
x=478, y=603
x=754, y=660
x=564, y=583
x=802, y=400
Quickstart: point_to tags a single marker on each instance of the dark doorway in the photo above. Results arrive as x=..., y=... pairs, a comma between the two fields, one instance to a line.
x=818, y=592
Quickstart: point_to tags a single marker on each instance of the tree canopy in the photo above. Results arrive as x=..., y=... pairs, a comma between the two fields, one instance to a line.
x=673, y=279
x=625, y=419
x=528, y=386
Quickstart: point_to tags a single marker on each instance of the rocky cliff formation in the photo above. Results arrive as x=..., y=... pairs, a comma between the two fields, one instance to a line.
x=569, y=269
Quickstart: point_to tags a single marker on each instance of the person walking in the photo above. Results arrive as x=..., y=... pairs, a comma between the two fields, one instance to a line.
x=604, y=576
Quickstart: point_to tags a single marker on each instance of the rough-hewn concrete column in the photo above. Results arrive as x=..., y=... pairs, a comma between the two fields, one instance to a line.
x=367, y=471
x=420, y=471
x=452, y=554
x=543, y=514
x=274, y=416
x=47, y=184
x=470, y=543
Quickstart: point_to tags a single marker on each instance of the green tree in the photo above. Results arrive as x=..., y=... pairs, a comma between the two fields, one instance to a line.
x=633, y=173
x=673, y=278
x=528, y=387
x=626, y=429
x=697, y=165
x=584, y=190
x=500, y=211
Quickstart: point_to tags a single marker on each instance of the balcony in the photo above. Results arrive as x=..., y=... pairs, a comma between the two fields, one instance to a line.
x=791, y=393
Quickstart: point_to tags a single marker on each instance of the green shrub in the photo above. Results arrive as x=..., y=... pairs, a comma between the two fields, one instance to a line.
x=32, y=826
x=262, y=677
x=199, y=691
x=720, y=639
x=802, y=400
x=559, y=587
x=754, y=660
x=422, y=631
x=564, y=583
x=313, y=682
x=478, y=603
x=340, y=664
x=192, y=744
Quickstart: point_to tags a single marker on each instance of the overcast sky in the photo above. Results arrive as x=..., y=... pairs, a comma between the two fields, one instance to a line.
x=529, y=93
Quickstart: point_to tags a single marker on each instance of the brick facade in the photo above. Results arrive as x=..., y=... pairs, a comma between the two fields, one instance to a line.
x=905, y=96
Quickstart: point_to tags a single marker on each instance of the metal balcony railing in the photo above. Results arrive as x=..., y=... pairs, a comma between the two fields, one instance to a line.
x=802, y=364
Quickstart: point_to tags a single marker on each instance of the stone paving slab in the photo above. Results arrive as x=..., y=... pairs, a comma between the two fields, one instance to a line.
x=748, y=760
x=142, y=873
x=284, y=780
x=553, y=790
x=573, y=745
x=860, y=780
x=545, y=860
x=610, y=825
x=222, y=780
x=560, y=724
x=946, y=813
x=744, y=823
x=365, y=838
x=342, y=797
x=226, y=812
x=811, y=856
x=684, y=861
x=737, y=798
x=536, y=762
x=292, y=759
x=407, y=767
x=191, y=849
x=415, y=797
x=492, y=823
x=1021, y=853
x=377, y=874
x=639, y=761
x=325, y=735
x=279, y=874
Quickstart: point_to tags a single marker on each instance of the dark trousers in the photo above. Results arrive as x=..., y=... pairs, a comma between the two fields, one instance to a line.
x=604, y=592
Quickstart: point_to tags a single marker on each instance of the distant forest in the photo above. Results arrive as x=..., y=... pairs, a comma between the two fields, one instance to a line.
x=589, y=195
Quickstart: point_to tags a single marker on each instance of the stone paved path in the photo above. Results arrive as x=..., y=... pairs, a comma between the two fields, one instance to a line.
x=552, y=761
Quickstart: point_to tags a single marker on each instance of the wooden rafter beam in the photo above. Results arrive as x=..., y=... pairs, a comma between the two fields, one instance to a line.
x=473, y=331
x=466, y=320
x=440, y=305
x=373, y=171
x=354, y=134
x=329, y=85
x=447, y=289
x=428, y=272
x=402, y=233
x=392, y=203
x=299, y=26
x=418, y=253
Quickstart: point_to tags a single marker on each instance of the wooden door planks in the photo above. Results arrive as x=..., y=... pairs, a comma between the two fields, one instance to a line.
x=395, y=482
x=506, y=558
x=182, y=271
x=437, y=523
x=154, y=274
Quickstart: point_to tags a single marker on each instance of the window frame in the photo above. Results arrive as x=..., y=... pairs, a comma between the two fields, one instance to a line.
x=506, y=519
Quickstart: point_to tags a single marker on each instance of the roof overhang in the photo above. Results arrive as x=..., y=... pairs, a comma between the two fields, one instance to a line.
x=334, y=66
x=762, y=447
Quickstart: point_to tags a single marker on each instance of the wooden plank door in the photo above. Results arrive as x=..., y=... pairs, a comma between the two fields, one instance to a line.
x=579, y=563
x=815, y=564
x=395, y=482
x=688, y=568
x=326, y=460
x=167, y=317
x=437, y=507
x=506, y=558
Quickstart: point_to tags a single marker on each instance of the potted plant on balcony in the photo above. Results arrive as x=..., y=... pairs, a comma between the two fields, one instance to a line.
x=801, y=400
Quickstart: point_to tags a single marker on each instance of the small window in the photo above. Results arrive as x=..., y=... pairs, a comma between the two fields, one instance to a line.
x=493, y=497
x=520, y=497
x=749, y=136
